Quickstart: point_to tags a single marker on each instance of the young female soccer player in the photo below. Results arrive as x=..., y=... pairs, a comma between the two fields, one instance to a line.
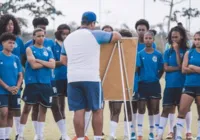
x=38, y=89
x=191, y=89
x=150, y=69
x=8, y=23
x=174, y=78
x=60, y=73
x=10, y=83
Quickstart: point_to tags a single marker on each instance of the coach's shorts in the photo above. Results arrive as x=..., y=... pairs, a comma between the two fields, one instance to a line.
x=172, y=96
x=85, y=95
x=192, y=91
x=10, y=101
x=61, y=86
x=38, y=93
x=55, y=90
x=148, y=91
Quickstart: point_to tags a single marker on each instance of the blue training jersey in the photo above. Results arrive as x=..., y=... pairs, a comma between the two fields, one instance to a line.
x=192, y=79
x=10, y=67
x=60, y=72
x=175, y=78
x=42, y=75
x=149, y=65
x=140, y=47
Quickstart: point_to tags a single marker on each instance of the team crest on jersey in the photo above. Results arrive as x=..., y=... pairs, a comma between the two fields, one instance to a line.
x=192, y=57
x=45, y=53
x=154, y=58
x=15, y=64
x=1, y=62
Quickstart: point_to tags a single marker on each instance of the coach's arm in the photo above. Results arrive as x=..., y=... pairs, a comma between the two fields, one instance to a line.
x=31, y=59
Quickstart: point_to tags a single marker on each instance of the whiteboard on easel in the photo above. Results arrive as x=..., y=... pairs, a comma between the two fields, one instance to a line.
x=112, y=85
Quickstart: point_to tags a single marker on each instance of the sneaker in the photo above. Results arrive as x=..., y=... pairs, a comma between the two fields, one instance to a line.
x=170, y=135
x=151, y=136
x=139, y=138
x=188, y=136
x=133, y=136
x=198, y=138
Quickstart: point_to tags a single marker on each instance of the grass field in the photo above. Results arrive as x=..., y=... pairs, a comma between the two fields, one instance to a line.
x=52, y=133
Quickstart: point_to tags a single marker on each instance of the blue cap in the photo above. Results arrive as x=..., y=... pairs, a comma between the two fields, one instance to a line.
x=89, y=17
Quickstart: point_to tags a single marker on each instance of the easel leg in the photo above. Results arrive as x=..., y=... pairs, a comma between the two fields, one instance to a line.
x=123, y=85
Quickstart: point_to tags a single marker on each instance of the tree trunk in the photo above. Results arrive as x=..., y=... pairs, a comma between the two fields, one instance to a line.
x=170, y=15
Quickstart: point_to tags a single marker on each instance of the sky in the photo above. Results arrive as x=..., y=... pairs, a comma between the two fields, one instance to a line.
x=116, y=12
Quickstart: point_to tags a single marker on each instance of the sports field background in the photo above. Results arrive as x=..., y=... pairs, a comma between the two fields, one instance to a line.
x=52, y=132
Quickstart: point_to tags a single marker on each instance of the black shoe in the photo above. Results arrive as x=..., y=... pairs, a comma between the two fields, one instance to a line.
x=60, y=138
x=16, y=137
x=8, y=139
x=174, y=131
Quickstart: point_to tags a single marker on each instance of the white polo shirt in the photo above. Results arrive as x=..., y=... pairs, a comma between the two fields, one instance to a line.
x=82, y=48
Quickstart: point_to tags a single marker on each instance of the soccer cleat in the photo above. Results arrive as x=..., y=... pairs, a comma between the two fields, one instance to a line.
x=188, y=136
x=133, y=136
x=151, y=136
x=170, y=135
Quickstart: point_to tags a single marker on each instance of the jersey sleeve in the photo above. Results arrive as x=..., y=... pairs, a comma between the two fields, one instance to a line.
x=22, y=47
x=28, y=44
x=19, y=66
x=166, y=56
x=138, y=60
x=102, y=37
x=51, y=56
x=63, y=51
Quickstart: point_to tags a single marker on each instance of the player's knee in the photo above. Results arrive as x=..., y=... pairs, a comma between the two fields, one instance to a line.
x=166, y=111
x=3, y=114
x=141, y=109
x=116, y=111
x=182, y=112
x=27, y=109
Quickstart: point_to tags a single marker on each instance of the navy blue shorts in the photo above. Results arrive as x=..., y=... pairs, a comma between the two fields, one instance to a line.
x=172, y=96
x=148, y=91
x=38, y=93
x=55, y=90
x=10, y=101
x=192, y=91
x=85, y=95
x=61, y=86
x=135, y=97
